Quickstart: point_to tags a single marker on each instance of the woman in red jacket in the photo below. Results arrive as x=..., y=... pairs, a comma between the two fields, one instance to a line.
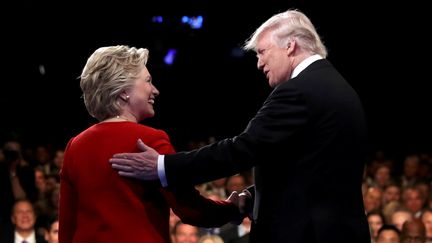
x=96, y=204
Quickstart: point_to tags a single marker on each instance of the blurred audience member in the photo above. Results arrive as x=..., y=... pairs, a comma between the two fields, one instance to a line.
x=413, y=231
x=231, y=233
x=185, y=233
x=392, y=193
x=373, y=199
x=400, y=216
x=17, y=180
x=51, y=230
x=376, y=221
x=427, y=221
x=413, y=200
x=410, y=170
x=388, y=234
x=23, y=219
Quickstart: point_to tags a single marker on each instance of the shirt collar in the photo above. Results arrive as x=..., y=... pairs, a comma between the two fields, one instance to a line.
x=30, y=239
x=304, y=64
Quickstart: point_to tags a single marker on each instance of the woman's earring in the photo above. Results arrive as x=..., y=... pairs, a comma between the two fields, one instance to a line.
x=125, y=99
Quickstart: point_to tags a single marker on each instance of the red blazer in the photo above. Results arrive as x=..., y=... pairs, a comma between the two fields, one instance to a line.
x=98, y=205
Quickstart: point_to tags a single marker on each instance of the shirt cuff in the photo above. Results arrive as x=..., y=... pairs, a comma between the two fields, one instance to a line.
x=161, y=170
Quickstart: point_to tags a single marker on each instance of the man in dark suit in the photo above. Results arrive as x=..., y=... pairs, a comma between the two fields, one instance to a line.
x=23, y=218
x=17, y=180
x=307, y=144
x=233, y=233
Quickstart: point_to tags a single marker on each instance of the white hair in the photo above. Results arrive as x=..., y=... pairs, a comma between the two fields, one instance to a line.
x=287, y=26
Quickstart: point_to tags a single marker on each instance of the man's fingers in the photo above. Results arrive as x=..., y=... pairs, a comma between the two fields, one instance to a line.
x=119, y=161
x=121, y=155
x=128, y=174
x=245, y=193
x=233, y=197
x=242, y=203
x=124, y=168
x=243, y=200
x=135, y=175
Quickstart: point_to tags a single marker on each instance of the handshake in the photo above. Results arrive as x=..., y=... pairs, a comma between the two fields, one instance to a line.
x=244, y=201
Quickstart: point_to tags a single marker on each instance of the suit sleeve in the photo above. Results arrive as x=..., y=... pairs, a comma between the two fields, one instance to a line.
x=68, y=201
x=187, y=202
x=282, y=116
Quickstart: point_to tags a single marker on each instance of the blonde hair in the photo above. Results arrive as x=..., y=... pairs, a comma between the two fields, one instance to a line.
x=286, y=26
x=108, y=72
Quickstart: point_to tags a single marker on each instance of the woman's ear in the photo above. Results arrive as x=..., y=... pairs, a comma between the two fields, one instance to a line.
x=124, y=97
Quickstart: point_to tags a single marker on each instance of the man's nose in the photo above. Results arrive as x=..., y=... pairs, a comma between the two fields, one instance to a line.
x=260, y=64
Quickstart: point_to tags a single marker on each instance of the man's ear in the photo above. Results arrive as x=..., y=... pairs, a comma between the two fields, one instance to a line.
x=290, y=47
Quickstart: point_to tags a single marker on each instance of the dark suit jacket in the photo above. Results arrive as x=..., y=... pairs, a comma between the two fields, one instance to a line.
x=26, y=178
x=308, y=146
x=7, y=235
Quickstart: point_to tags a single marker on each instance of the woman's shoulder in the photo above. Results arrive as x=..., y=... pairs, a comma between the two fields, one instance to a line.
x=152, y=130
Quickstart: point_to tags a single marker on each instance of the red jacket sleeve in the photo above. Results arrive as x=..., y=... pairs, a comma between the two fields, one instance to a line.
x=195, y=209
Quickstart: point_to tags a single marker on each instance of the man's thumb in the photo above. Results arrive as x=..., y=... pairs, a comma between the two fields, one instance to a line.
x=141, y=145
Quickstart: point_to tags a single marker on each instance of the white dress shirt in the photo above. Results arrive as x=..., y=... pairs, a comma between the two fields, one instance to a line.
x=30, y=239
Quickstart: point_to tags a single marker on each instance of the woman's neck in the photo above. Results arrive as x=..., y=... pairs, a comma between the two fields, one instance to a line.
x=121, y=118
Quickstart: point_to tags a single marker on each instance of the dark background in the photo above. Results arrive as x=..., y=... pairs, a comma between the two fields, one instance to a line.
x=382, y=49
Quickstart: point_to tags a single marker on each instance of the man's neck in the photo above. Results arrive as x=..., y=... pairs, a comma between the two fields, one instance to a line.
x=305, y=61
x=25, y=233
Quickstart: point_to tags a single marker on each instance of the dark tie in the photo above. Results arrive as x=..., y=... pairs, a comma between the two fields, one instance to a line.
x=24, y=241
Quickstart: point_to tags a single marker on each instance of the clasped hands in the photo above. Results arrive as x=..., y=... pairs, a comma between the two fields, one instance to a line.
x=244, y=202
